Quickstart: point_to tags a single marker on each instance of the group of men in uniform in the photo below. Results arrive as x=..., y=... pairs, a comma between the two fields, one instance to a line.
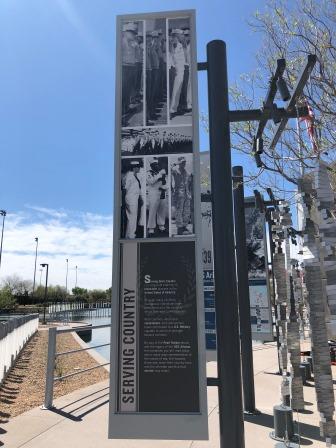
x=132, y=69
x=133, y=210
x=179, y=72
x=156, y=142
x=156, y=78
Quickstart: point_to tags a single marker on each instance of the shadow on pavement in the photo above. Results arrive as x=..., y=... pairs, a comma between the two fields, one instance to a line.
x=84, y=398
x=85, y=408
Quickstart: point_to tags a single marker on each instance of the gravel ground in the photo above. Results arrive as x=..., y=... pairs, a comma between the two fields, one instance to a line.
x=24, y=387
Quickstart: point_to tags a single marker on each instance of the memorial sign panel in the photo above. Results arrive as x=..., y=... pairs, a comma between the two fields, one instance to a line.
x=158, y=378
x=207, y=253
x=261, y=317
x=260, y=304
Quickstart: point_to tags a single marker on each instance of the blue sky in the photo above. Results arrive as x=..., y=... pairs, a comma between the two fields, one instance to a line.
x=57, y=106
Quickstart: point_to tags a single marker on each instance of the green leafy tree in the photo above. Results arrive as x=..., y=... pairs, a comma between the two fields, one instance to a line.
x=7, y=300
x=109, y=293
x=80, y=294
x=97, y=295
x=57, y=293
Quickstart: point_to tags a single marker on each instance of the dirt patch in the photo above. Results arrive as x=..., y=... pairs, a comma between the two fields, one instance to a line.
x=24, y=387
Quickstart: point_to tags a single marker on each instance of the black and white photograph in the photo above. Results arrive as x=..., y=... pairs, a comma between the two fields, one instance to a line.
x=133, y=190
x=156, y=72
x=153, y=141
x=132, y=56
x=157, y=190
x=179, y=71
x=181, y=173
x=254, y=224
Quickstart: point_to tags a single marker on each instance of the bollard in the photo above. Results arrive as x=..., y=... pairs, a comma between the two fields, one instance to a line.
x=283, y=423
x=285, y=391
x=306, y=365
x=310, y=360
x=303, y=374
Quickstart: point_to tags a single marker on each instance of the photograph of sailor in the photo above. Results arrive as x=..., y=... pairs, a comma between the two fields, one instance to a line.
x=156, y=76
x=132, y=55
x=161, y=140
x=182, y=195
x=179, y=59
x=132, y=203
x=157, y=197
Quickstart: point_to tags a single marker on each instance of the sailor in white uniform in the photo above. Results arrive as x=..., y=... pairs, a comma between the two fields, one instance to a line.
x=157, y=197
x=178, y=61
x=133, y=193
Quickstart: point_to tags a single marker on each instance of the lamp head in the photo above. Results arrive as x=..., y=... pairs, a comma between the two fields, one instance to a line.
x=259, y=145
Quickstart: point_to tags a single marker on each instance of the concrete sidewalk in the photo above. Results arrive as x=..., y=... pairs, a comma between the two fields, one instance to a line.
x=80, y=418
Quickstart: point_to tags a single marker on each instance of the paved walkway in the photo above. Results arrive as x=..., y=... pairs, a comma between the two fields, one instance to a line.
x=80, y=418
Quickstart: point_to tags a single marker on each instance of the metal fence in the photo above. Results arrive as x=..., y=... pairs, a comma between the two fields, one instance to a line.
x=14, y=334
x=52, y=356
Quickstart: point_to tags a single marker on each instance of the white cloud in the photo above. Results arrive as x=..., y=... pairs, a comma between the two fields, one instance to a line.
x=84, y=238
x=47, y=211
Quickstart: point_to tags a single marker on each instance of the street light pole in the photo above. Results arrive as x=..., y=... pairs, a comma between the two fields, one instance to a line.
x=76, y=277
x=45, y=292
x=66, y=276
x=3, y=214
x=36, y=240
x=228, y=345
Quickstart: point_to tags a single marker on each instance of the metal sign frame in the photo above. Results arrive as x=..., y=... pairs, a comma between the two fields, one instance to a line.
x=157, y=425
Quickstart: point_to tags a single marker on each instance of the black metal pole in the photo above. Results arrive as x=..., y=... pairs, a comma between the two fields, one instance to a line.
x=243, y=291
x=45, y=296
x=276, y=314
x=228, y=349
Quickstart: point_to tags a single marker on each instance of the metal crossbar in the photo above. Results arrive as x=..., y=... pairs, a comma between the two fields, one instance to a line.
x=81, y=349
x=58, y=378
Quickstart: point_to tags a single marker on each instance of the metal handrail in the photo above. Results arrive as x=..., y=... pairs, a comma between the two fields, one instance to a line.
x=81, y=349
x=52, y=355
x=76, y=329
x=58, y=378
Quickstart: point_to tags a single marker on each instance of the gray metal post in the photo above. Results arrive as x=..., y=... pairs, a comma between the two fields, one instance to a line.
x=3, y=214
x=243, y=291
x=228, y=349
x=49, y=390
x=36, y=240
